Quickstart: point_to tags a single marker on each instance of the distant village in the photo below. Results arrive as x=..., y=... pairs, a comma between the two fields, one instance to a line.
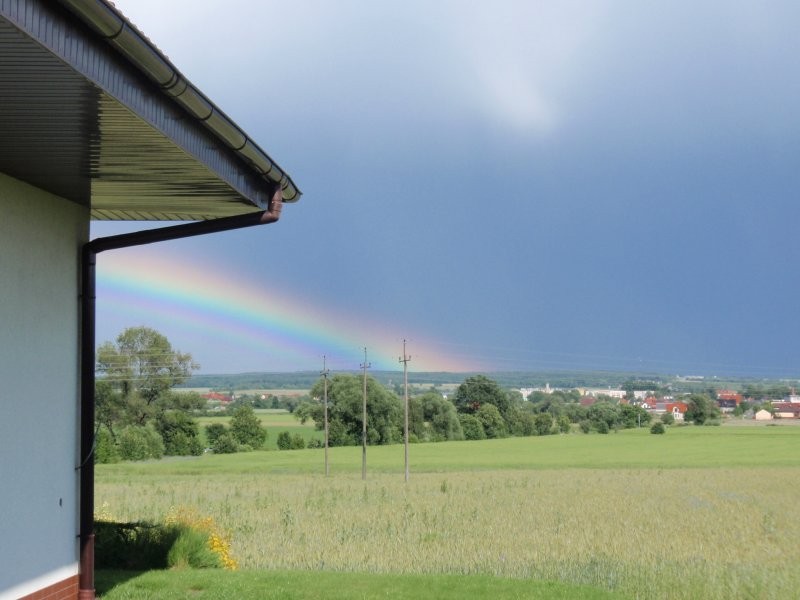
x=729, y=402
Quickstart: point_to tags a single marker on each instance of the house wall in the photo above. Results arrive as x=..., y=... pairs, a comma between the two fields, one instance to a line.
x=40, y=237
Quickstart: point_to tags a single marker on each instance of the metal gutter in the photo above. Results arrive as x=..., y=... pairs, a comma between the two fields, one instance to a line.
x=109, y=23
x=89, y=254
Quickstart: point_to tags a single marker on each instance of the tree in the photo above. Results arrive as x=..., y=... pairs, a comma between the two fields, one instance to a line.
x=472, y=427
x=700, y=409
x=543, y=423
x=658, y=428
x=246, y=428
x=633, y=416
x=433, y=418
x=493, y=423
x=179, y=432
x=345, y=411
x=138, y=369
x=477, y=391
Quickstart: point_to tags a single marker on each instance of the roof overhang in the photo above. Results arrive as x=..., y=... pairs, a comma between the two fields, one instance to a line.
x=92, y=111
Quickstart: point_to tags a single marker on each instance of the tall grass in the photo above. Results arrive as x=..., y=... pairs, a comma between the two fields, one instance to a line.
x=681, y=524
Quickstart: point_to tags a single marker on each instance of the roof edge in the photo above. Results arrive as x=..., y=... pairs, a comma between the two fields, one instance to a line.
x=106, y=20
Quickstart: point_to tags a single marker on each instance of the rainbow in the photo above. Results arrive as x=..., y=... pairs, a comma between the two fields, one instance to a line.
x=245, y=317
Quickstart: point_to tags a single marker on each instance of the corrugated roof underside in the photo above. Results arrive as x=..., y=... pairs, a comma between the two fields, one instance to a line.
x=76, y=122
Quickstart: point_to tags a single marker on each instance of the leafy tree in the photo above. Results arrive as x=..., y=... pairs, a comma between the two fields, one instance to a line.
x=633, y=416
x=246, y=428
x=520, y=421
x=494, y=426
x=543, y=423
x=345, y=411
x=700, y=409
x=564, y=424
x=472, y=427
x=668, y=418
x=603, y=415
x=214, y=431
x=432, y=417
x=141, y=366
x=477, y=391
x=180, y=433
x=138, y=442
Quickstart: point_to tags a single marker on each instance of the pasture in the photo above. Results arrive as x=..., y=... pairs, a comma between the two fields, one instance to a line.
x=701, y=512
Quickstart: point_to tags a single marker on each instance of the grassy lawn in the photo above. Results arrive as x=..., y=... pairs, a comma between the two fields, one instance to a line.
x=695, y=513
x=306, y=585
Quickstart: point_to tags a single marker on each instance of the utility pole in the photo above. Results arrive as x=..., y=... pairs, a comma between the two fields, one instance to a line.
x=405, y=360
x=364, y=366
x=324, y=373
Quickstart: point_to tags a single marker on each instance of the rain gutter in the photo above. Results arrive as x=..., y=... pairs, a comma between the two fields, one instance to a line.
x=122, y=35
x=89, y=254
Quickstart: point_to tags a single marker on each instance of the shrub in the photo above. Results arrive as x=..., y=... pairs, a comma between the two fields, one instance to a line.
x=494, y=426
x=225, y=444
x=105, y=450
x=668, y=418
x=140, y=443
x=658, y=428
x=214, y=431
x=564, y=424
x=315, y=443
x=297, y=442
x=585, y=425
x=284, y=440
x=191, y=549
x=601, y=426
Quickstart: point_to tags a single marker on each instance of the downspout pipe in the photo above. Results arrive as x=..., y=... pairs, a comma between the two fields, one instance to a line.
x=89, y=254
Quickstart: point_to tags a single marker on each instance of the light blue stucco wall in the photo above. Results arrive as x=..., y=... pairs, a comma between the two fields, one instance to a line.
x=40, y=239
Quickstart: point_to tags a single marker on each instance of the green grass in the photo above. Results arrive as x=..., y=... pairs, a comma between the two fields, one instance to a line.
x=306, y=585
x=274, y=421
x=681, y=447
x=695, y=513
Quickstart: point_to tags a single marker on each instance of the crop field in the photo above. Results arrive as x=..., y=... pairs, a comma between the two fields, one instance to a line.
x=701, y=512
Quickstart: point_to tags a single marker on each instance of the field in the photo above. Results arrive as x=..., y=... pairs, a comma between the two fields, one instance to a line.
x=696, y=513
x=274, y=421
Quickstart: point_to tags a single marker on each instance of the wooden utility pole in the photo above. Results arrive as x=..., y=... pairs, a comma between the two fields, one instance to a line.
x=325, y=372
x=405, y=360
x=365, y=365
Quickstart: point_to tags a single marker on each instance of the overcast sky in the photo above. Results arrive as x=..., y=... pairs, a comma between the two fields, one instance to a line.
x=509, y=185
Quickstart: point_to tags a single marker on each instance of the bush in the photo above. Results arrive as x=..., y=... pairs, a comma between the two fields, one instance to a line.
x=297, y=442
x=105, y=450
x=191, y=549
x=140, y=443
x=585, y=425
x=658, y=428
x=315, y=443
x=225, y=444
x=284, y=440
x=668, y=418
x=601, y=426
x=214, y=431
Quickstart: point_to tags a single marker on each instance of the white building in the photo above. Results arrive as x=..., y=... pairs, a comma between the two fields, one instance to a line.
x=95, y=123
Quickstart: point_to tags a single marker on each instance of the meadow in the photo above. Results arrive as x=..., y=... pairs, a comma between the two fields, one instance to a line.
x=701, y=512
x=274, y=421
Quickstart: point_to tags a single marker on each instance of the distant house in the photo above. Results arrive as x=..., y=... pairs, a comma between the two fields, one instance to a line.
x=216, y=397
x=678, y=409
x=787, y=410
x=728, y=400
x=587, y=400
x=649, y=403
x=95, y=124
x=763, y=415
